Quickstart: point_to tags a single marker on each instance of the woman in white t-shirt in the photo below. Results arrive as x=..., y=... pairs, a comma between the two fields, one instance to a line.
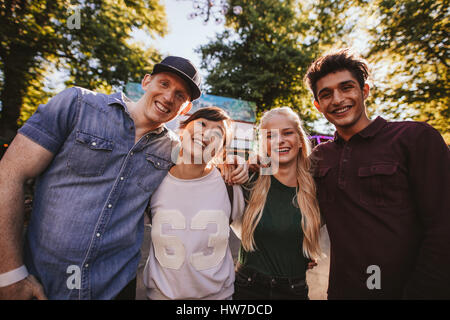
x=191, y=214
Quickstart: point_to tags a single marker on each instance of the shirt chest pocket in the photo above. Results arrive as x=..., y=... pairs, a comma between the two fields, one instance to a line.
x=380, y=185
x=89, y=155
x=154, y=172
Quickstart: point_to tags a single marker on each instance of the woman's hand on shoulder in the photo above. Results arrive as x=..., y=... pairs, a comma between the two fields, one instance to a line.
x=235, y=170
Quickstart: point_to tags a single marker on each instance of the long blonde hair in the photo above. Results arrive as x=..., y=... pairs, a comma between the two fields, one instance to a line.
x=306, y=195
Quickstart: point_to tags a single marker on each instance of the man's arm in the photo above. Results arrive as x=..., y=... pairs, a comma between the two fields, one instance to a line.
x=429, y=178
x=23, y=160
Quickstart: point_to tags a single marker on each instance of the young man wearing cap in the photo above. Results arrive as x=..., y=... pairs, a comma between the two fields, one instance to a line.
x=382, y=189
x=97, y=159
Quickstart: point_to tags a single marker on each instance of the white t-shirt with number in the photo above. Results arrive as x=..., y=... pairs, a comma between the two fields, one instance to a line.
x=189, y=257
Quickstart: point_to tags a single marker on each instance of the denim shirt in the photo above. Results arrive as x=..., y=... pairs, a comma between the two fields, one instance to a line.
x=86, y=228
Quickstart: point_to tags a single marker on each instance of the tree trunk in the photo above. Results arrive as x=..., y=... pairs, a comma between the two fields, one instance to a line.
x=15, y=71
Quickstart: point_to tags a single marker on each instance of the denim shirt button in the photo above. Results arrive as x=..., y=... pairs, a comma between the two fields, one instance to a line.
x=98, y=235
x=110, y=205
x=86, y=265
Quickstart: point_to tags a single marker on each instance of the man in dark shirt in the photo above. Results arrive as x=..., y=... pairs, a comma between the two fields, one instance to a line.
x=383, y=191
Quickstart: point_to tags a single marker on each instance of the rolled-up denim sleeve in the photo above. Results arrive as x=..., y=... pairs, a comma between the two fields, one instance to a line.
x=50, y=125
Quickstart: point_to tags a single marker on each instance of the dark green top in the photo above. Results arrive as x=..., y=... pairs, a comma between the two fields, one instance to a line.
x=278, y=236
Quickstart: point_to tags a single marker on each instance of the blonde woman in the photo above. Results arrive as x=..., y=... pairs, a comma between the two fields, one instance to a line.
x=281, y=224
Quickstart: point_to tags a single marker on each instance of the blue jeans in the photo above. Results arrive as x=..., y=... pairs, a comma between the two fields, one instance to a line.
x=253, y=285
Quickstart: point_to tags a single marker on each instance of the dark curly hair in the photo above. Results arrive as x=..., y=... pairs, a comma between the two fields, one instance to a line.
x=343, y=59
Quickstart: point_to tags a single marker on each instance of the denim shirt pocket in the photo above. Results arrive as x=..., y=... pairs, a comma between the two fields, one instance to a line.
x=324, y=193
x=157, y=168
x=380, y=185
x=89, y=154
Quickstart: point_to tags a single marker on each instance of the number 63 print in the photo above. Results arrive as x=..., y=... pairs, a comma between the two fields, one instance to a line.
x=164, y=242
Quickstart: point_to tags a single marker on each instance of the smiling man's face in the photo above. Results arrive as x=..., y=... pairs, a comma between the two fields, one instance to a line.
x=166, y=96
x=341, y=100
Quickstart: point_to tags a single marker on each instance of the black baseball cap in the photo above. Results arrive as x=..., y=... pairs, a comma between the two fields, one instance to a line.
x=183, y=68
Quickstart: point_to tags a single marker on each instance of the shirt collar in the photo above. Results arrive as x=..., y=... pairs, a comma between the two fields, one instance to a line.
x=371, y=130
x=159, y=130
x=118, y=98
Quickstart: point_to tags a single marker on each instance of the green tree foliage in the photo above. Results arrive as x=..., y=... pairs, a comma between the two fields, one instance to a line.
x=89, y=39
x=259, y=56
x=263, y=54
x=412, y=38
x=333, y=22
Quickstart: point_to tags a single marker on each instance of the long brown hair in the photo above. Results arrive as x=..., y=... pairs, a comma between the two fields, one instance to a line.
x=306, y=195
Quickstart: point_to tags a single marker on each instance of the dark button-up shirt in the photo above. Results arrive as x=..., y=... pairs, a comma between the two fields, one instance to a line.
x=384, y=197
x=86, y=229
